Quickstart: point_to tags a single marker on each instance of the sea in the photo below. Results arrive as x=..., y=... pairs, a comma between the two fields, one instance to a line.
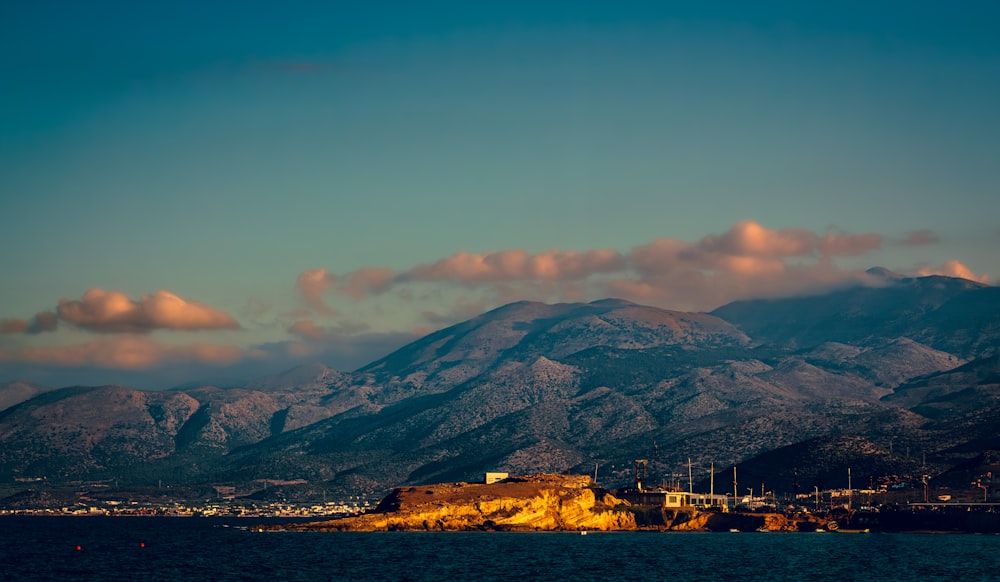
x=218, y=550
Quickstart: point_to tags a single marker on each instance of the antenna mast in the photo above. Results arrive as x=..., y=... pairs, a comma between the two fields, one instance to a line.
x=736, y=493
x=690, y=478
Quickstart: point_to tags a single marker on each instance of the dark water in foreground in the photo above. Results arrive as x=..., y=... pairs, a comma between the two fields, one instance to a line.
x=138, y=548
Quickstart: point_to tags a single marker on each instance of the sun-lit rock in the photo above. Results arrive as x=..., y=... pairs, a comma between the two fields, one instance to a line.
x=537, y=503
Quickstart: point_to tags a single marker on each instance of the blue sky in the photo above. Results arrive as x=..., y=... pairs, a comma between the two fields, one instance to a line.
x=227, y=190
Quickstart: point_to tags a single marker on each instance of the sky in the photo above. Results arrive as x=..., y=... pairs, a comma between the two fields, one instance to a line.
x=222, y=190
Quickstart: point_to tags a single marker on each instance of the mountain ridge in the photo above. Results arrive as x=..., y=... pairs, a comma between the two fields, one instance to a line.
x=536, y=388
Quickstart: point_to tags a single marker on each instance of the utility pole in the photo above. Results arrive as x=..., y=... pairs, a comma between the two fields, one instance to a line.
x=712, y=486
x=690, y=478
x=735, y=491
x=984, y=486
x=850, y=491
x=655, y=477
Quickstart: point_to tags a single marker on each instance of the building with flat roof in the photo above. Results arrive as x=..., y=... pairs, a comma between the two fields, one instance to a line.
x=673, y=499
x=495, y=477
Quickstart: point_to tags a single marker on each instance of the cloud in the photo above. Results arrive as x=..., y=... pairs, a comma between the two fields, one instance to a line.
x=363, y=282
x=747, y=260
x=750, y=239
x=41, y=322
x=114, y=312
x=307, y=330
x=126, y=352
x=517, y=265
x=312, y=284
x=848, y=245
x=921, y=237
x=954, y=269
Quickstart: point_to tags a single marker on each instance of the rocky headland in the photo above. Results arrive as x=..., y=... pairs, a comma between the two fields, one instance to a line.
x=539, y=503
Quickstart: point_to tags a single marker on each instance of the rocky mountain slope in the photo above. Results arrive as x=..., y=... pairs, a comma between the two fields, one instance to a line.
x=16, y=392
x=954, y=315
x=908, y=366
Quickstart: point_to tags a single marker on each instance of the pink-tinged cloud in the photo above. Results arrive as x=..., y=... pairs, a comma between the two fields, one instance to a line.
x=114, y=312
x=42, y=322
x=126, y=352
x=312, y=284
x=662, y=255
x=954, y=269
x=307, y=330
x=14, y=325
x=692, y=287
x=921, y=237
x=518, y=265
x=364, y=282
x=848, y=245
x=750, y=239
x=747, y=260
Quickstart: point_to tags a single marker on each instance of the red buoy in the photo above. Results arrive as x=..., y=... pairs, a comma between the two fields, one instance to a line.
x=79, y=548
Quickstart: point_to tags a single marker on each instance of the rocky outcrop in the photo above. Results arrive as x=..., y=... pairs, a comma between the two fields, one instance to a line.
x=540, y=503
x=724, y=522
x=537, y=503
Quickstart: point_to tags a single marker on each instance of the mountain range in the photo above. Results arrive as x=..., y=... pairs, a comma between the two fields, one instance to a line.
x=894, y=380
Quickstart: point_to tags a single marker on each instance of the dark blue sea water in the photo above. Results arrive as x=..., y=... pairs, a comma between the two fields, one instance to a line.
x=148, y=548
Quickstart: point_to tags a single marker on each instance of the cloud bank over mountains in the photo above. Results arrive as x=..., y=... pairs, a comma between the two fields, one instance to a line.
x=748, y=260
x=153, y=332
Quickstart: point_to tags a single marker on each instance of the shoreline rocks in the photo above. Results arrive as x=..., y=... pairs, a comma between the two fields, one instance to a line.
x=538, y=503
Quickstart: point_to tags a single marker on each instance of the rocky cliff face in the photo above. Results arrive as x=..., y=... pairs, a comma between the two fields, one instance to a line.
x=541, y=503
x=538, y=503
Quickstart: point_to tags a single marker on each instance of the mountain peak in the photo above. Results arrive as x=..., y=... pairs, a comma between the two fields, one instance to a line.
x=526, y=330
x=883, y=273
x=613, y=302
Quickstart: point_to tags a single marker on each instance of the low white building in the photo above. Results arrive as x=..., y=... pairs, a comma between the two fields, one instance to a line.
x=674, y=499
x=495, y=477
